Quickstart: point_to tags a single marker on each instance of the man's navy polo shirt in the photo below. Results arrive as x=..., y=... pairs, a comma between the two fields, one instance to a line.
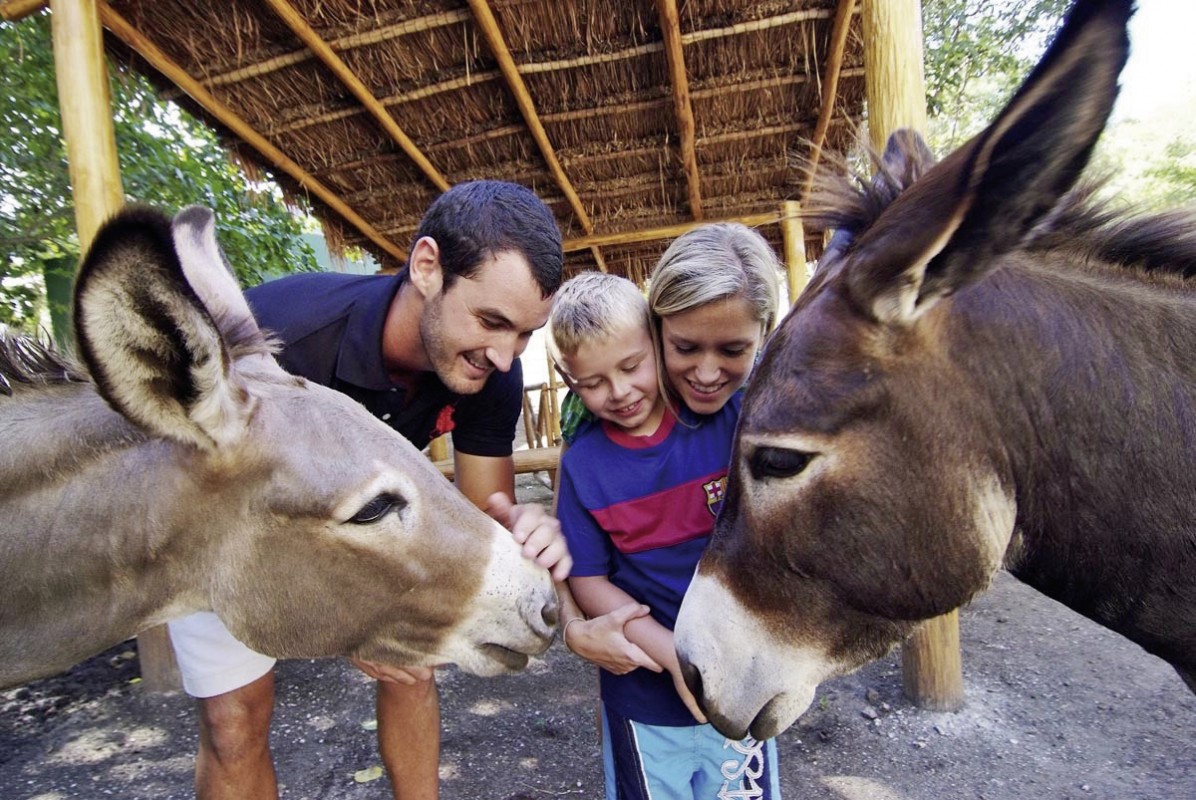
x=331, y=328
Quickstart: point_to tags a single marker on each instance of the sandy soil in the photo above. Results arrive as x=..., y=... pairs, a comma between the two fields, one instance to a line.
x=1056, y=708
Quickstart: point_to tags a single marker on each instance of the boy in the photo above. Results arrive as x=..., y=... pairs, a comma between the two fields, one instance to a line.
x=640, y=488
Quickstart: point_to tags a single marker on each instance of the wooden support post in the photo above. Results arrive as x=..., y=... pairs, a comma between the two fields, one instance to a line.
x=96, y=189
x=554, y=404
x=894, y=84
x=438, y=448
x=794, y=237
x=544, y=420
x=932, y=670
x=895, y=90
x=529, y=418
x=86, y=115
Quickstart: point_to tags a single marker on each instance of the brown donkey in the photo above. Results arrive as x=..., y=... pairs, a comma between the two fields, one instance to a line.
x=985, y=372
x=190, y=472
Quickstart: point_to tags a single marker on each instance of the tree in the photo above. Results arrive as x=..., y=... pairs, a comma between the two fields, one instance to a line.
x=167, y=159
x=1151, y=161
x=977, y=53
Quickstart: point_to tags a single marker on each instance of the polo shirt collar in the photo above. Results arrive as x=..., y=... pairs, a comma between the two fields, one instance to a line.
x=359, y=360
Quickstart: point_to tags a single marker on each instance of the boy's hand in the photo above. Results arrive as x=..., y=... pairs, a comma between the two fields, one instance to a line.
x=687, y=697
x=601, y=641
x=538, y=531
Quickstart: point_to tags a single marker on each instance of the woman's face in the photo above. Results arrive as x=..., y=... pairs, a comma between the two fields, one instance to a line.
x=709, y=351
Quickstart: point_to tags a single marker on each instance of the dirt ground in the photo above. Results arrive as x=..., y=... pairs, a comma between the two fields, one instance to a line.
x=1056, y=707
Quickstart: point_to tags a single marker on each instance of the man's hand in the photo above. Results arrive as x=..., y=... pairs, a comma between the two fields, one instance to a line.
x=535, y=529
x=601, y=640
x=384, y=672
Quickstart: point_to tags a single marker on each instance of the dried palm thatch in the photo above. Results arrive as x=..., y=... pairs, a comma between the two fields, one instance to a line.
x=623, y=115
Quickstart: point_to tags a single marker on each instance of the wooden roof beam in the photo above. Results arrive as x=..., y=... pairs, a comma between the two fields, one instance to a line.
x=295, y=21
x=642, y=106
x=375, y=36
x=580, y=158
x=498, y=48
x=313, y=117
x=431, y=90
x=670, y=32
x=119, y=27
x=767, y=23
x=664, y=232
x=830, y=87
x=13, y=10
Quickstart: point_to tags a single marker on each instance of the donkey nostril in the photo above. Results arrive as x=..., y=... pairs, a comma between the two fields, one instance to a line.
x=550, y=612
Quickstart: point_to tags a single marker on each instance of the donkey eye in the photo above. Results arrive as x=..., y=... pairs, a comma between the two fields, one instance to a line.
x=378, y=508
x=774, y=462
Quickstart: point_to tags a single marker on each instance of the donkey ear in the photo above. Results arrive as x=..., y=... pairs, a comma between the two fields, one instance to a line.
x=983, y=199
x=147, y=334
x=207, y=270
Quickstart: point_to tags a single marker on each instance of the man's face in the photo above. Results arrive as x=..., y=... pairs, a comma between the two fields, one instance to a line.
x=482, y=323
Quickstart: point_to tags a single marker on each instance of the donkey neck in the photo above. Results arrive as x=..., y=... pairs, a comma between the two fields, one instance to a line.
x=112, y=506
x=1089, y=378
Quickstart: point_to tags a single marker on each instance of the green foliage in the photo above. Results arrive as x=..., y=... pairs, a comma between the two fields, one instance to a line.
x=1151, y=163
x=1173, y=177
x=167, y=159
x=977, y=53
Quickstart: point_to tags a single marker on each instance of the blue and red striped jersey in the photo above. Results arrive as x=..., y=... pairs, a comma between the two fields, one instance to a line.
x=640, y=511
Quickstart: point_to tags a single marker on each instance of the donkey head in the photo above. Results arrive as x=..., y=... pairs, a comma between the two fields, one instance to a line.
x=308, y=526
x=867, y=492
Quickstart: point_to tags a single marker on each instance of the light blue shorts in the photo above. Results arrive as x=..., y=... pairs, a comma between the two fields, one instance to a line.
x=692, y=762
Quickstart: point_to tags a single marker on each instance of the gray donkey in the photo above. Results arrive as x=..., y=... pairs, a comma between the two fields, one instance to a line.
x=184, y=470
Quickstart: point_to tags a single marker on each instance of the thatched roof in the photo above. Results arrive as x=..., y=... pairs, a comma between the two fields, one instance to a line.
x=576, y=100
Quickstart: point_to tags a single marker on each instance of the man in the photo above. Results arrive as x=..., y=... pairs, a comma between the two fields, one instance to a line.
x=432, y=349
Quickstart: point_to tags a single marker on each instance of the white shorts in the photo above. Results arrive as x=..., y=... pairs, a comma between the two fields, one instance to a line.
x=211, y=661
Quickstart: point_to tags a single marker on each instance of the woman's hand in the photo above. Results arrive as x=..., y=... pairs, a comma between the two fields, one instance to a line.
x=601, y=641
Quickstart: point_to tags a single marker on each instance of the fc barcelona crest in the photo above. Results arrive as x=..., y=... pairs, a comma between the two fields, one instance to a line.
x=715, y=490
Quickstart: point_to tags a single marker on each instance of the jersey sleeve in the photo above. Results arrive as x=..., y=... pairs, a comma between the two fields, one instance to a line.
x=484, y=423
x=588, y=543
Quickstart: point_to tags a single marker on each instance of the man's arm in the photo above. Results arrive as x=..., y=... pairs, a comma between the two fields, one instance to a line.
x=478, y=477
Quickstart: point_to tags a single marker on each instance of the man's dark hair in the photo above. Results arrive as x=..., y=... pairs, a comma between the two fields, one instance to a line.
x=477, y=220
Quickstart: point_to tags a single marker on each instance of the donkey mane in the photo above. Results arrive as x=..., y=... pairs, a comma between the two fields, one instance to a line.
x=29, y=361
x=1098, y=230
x=1094, y=229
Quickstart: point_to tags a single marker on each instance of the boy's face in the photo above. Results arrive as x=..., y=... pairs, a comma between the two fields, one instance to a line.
x=616, y=379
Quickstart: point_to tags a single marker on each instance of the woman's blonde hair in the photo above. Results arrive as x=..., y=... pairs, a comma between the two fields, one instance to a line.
x=708, y=264
x=589, y=307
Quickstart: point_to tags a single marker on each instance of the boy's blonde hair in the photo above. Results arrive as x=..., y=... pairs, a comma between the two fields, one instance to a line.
x=707, y=264
x=592, y=307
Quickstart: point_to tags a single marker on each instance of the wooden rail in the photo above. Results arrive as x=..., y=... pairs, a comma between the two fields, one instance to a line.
x=540, y=459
